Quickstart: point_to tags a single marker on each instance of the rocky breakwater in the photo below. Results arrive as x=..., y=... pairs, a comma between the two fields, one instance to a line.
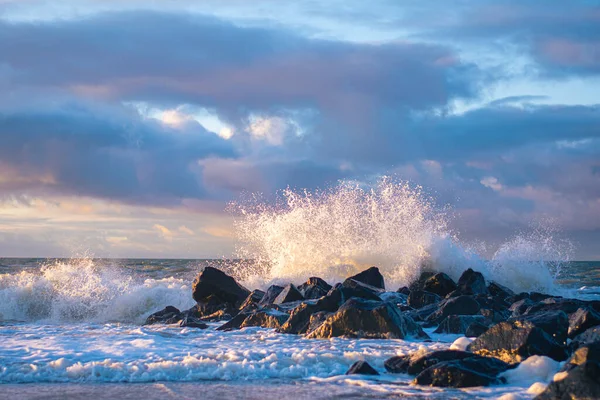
x=504, y=328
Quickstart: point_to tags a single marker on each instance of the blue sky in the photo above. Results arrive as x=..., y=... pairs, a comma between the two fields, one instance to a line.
x=127, y=126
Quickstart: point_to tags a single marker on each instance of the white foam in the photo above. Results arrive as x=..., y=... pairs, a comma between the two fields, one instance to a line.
x=533, y=369
x=461, y=343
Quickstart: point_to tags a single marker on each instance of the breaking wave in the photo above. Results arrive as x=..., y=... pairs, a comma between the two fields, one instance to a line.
x=344, y=229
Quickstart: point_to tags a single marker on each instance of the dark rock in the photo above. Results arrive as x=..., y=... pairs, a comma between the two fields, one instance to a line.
x=497, y=290
x=582, y=382
x=299, y=319
x=519, y=307
x=211, y=306
x=422, y=313
x=316, y=320
x=568, y=306
x=472, y=282
x=361, y=318
x=555, y=323
x=581, y=320
x=476, y=329
x=268, y=318
x=590, y=352
x=191, y=322
x=419, y=364
x=251, y=302
x=234, y=323
x=495, y=316
x=536, y=296
x=219, y=315
x=517, y=297
x=371, y=277
x=397, y=364
x=421, y=298
x=361, y=368
x=589, y=336
x=467, y=372
x=459, y=323
x=440, y=284
x=288, y=294
x=404, y=290
x=461, y=305
x=419, y=284
x=515, y=341
x=168, y=315
x=270, y=295
x=214, y=282
x=314, y=288
x=351, y=288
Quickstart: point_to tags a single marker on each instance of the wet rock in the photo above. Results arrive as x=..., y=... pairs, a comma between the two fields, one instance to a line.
x=394, y=297
x=397, y=364
x=440, y=284
x=537, y=297
x=476, y=329
x=497, y=290
x=371, y=277
x=590, y=352
x=269, y=318
x=314, y=288
x=212, y=306
x=515, y=341
x=519, y=307
x=288, y=294
x=472, y=282
x=459, y=323
x=316, y=320
x=168, y=315
x=419, y=364
x=555, y=323
x=299, y=319
x=219, y=315
x=582, y=382
x=191, y=322
x=568, y=306
x=589, y=336
x=214, y=282
x=581, y=320
x=467, y=372
x=419, y=284
x=251, y=302
x=421, y=298
x=495, y=316
x=517, y=297
x=351, y=288
x=422, y=313
x=359, y=318
x=404, y=290
x=461, y=305
x=361, y=368
x=270, y=295
x=234, y=323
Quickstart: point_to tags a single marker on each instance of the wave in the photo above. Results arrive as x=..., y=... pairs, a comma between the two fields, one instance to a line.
x=83, y=289
x=349, y=227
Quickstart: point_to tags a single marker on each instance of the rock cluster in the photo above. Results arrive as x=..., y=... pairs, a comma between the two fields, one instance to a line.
x=507, y=327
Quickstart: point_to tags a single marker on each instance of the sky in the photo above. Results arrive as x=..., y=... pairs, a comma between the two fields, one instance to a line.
x=127, y=126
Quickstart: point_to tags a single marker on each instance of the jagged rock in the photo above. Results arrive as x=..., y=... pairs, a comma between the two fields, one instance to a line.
x=371, y=277
x=422, y=313
x=419, y=364
x=589, y=336
x=476, y=329
x=537, y=297
x=168, y=315
x=472, y=282
x=466, y=372
x=269, y=318
x=191, y=322
x=270, y=295
x=361, y=318
x=404, y=290
x=440, y=284
x=212, y=306
x=590, y=352
x=421, y=298
x=288, y=294
x=394, y=297
x=581, y=320
x=459, y=323
x=351, y=288
x=234, y=323
x=582, y=382
x=495, y=316
x=461, y=305
x=361, y=368
x=497, y=290
x=299, y=319
x=419, y=284
x=314, y=288
x=219, y=315
x=214, y=282
x=568, y=306
x=517, y=297
x=519, y=307
x=251, y=302
x=397, y=364
x=555, y=323
x=515, y=341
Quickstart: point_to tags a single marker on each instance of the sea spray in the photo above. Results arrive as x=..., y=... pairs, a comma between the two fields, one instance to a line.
x=339, y=231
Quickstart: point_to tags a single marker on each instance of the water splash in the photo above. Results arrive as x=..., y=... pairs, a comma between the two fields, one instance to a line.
x=342, y=230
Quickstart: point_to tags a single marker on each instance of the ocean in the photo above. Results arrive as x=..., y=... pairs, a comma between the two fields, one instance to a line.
x=73, y=328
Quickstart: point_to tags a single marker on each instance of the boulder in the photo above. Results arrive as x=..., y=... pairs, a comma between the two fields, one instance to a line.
x=351, y=288
x=214, y=282
x=440, y=284
x=371, y=277
x=251, y=302
x=270, y=295
x=419, y=364
x=459, y=323
x=419, y=284
x=589, y=352
x=422, y=313
x=581, y=320
x=361, y=368
x=314, y=288
x=234, y=323
x=359, y=318
x=476, y=329
x=397, y=364
x=461, y=305
x=192, y=322
x=212, y=308
x=568, y=306
x=588, y=336
x=515, y=341
x=467, y=372
x=268, y=318
x=404, y=290
x=288, y=294
x=497, y=290
x=582, y=382
x=168, y=315
x=421, y=298
x=472, y=282
x=519, y=307
x=299, y=319
x=537, y=297
x=555, y=323
x=517, y=297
